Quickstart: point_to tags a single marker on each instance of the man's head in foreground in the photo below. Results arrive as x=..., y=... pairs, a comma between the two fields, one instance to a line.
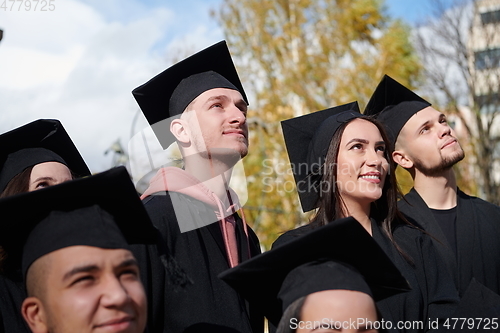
x=85, y=289
x=340, y=277
x=80, y=274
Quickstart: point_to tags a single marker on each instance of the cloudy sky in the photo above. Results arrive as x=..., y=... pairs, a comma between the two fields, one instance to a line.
x=79, y=62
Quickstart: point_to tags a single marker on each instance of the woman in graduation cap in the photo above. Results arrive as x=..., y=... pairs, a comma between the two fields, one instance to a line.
x=33, y=156
x=37, y=155
x=340, y=160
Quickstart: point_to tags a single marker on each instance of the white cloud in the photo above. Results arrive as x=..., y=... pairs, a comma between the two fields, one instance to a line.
x=80, y=63
x=51, y=31
x=23, y=68
x=196, y=39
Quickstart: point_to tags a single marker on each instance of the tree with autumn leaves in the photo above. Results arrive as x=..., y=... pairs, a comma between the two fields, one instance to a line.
x=297, y=57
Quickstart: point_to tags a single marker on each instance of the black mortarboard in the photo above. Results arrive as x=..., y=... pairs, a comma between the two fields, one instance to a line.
x=307, y=139
x=265, y=280
x=170, y=92
x=319, y=275
x=102, y=211
x=43, y=140
x=394, y=105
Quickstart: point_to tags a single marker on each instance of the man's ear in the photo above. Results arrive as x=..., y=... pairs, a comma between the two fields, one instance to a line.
x=401, y=158
x=34, y=314
x=180, y=129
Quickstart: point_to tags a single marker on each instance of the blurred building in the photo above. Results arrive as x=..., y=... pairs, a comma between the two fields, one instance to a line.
x=483, y=54
x=484, y=48
x=484, y=42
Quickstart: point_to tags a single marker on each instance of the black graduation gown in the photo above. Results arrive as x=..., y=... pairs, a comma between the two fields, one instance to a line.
x=478, y=238
x=207, y=304
x=152, y=273
x=432, y=296
x=480, y=306
x=12, y=295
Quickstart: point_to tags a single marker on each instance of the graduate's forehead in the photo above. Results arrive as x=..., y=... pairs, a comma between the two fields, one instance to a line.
x=426, y=116
x=218, y=94
x=81, y=258
x=361, y=130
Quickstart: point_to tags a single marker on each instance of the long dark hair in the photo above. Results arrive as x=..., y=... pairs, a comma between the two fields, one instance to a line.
x=330, y=204
x=18, y=184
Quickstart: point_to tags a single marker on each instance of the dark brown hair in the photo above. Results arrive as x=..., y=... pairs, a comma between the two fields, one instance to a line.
x=18, y=184
x=384, y=210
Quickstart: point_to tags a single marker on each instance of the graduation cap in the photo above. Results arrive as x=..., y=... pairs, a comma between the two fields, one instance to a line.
x=170, y=92
x=101, y=211
x=275, y=279
x=43, y=140
x=394, y=105
x=307, y=140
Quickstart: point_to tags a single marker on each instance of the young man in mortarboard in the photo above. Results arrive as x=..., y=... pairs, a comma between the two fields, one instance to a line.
x=465, y=229
x=79, y=272
x=200, y=104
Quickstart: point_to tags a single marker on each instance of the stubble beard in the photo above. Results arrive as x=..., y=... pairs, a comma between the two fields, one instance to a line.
x=446, y=164
x=227, y=155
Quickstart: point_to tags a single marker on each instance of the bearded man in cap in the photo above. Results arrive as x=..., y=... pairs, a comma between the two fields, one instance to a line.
x=466, y=229
x=200, y=104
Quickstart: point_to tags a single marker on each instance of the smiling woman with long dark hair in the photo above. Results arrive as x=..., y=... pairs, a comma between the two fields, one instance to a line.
x=342, y=166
